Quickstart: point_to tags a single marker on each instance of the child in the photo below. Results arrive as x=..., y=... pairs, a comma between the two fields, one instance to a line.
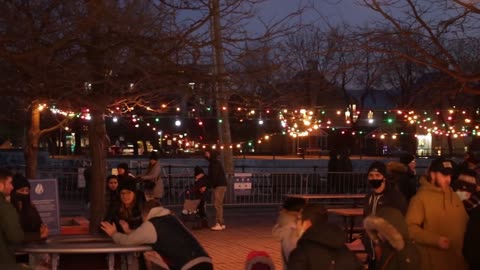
x=195, y=197
x=113, y=196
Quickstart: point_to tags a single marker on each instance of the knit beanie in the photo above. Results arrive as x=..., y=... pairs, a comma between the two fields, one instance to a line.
x=197, y=170
x=20, y=181
x=128, y=184
x=407, y=158
x=378, y=166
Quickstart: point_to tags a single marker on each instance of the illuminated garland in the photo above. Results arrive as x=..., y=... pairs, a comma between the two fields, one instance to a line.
x=304, y=122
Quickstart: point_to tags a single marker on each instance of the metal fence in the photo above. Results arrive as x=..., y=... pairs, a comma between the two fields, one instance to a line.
x=244, y=189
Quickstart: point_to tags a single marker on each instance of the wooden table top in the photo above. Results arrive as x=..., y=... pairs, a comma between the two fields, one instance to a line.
x=347, y=212
x=327, y=196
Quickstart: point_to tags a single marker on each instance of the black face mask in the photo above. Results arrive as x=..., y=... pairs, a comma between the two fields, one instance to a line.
x=375, y=183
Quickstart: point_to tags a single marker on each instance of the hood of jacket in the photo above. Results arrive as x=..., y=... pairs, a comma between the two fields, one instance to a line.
x=159, y=211
x=286, y=224
x=388, y=225
x=394, y=167
x=326, y=234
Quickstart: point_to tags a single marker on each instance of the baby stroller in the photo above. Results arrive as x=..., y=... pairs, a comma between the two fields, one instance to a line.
x=190, y=213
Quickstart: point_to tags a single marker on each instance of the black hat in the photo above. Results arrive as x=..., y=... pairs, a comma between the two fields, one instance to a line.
x=407, y=158
x=443, y=165
x=123, y=166
x=20, y=181
x=378, y=166
x=128, y=184
x=153, y=156
x=198, y=170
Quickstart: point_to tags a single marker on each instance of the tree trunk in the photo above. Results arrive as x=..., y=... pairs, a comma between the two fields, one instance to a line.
x=97, y=134
x=221, y=93
x=31, y=148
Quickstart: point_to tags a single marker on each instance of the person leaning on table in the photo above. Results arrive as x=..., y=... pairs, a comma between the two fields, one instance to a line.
x=11, y=232
x=167, y=235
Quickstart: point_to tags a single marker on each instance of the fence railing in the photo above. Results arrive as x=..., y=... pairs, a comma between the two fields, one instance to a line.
x=242, y=190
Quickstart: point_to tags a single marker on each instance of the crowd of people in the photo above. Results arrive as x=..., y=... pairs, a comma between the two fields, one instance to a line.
x=431, y=221
x=427, y=222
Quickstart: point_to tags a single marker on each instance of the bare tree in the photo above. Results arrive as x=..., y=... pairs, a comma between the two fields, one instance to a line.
x=428, y=28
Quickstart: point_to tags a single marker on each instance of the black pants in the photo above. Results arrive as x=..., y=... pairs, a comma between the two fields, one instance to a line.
x=202, y=213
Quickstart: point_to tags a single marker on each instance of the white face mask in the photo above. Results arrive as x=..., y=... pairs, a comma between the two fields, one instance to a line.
x=464, y=195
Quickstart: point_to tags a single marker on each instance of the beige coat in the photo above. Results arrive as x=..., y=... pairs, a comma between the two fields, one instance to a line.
x=433, y=213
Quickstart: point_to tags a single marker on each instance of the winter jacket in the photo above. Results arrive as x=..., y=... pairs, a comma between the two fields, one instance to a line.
x=403, y=179
x=322, y=247
x=389, y=230
x=472, y=238
x=134, y=220
x=286, y=232
x=154, y=175
x=30, y=219
x=216, y=173
x=433, y=213
x=391, y=197
x=169, y=238
x=11, y=233
x=194, y=192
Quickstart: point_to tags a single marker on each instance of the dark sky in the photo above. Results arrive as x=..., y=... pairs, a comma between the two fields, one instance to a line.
x=335, y=11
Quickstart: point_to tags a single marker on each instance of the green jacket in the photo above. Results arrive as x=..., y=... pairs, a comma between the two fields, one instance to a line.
x=11, y=233
x=433, y=213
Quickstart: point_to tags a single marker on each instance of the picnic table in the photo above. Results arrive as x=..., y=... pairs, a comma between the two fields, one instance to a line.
x=337, y=197
x=349, y=215
x=81, y=244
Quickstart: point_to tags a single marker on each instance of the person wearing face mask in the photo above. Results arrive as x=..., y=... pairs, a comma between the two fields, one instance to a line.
x=30, y=220
x=468, y=189
x=321, y=244
x=437, y=220
x=382, y=195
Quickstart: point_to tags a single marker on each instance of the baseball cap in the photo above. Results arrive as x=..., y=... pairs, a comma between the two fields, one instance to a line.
x=443, y=165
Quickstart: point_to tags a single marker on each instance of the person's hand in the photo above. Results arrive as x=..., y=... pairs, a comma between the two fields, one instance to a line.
x=108, y=228
x=125, y=226
x=443, y=242
x=43, y=231
x=203, y=189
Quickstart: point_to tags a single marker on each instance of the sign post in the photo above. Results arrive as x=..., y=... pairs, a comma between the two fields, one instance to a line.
x=44, y=195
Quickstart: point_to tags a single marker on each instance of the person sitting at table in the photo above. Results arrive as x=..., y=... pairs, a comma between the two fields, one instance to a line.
x=321, y=244
x=30, y=220
x=11, y=232
x=382, y=195
x=113, y=195
x=167, y=235
x=286, y=228
x=130, y=207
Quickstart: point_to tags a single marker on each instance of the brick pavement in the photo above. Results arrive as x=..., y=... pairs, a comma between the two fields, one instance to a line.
x=247, y=230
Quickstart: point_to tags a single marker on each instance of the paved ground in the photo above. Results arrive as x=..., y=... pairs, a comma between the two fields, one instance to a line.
x=247, y=230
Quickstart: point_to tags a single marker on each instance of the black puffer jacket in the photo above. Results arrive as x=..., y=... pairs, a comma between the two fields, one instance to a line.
x=472, y=236
x=322, y=247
